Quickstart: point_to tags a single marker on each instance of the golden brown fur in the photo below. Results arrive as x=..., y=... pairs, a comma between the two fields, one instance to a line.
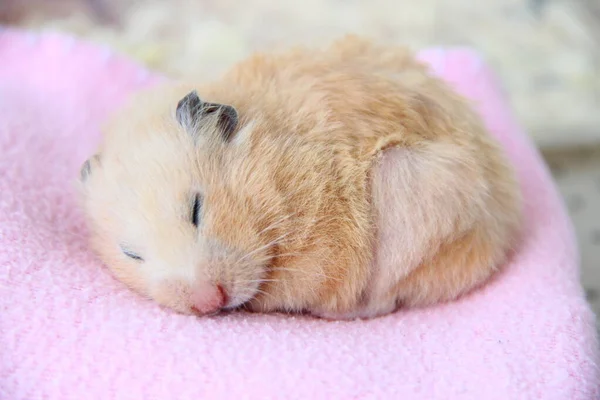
x=333, y=145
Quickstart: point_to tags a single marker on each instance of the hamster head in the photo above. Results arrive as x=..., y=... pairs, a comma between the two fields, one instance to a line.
x=164, y=217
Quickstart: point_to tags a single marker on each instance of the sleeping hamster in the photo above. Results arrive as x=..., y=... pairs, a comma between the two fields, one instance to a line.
x=344, y=182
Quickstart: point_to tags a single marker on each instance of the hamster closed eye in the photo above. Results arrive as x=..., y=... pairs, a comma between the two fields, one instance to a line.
x=342, y=181
x=131, y=254
x=196, y=209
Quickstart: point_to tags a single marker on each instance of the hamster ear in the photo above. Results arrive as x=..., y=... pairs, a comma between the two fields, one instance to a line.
x=191, y=110
x=227, y=118
x=87, y=167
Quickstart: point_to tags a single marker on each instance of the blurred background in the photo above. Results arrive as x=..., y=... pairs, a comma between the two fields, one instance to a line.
x=547, y=52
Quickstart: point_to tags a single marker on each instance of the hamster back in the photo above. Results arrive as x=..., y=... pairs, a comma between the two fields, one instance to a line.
x=343, y=181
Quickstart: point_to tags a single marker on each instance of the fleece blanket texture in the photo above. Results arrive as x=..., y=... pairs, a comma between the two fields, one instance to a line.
x=68, y=330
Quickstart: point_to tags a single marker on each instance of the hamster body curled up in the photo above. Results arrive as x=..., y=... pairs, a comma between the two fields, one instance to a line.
x=344, y=182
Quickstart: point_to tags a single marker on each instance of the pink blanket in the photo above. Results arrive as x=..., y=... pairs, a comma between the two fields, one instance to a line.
x=69, y=331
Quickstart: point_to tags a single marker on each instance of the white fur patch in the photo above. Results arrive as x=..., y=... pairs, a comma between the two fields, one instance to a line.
x=418, y=195
x=243, y=134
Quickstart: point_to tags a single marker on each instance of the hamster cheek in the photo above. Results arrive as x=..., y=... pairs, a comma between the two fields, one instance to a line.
x=119, y=269
x=129, y=276
x=174, y=296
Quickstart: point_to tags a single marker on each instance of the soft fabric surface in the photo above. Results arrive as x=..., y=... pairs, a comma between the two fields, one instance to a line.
x=70, y=331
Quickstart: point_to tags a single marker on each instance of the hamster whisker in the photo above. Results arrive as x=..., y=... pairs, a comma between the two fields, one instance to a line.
x=276, y=224
x=309, y=274
x=266, y=246
x=269, y=257
x=257, y=280
x=256, y=292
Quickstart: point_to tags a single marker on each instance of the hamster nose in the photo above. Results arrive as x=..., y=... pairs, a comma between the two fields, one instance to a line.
x=208, y=299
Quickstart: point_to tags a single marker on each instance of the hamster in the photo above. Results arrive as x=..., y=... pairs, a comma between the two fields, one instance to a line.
x=343, y=181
